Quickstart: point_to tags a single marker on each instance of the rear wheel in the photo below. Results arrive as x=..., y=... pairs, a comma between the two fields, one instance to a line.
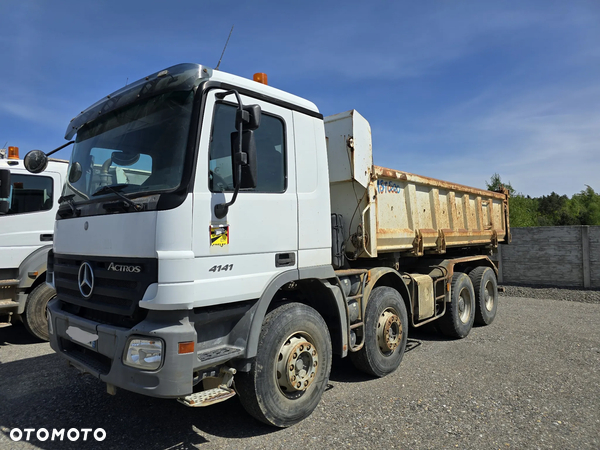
x=291, y=369
x=34, y=317
x=486, y=294
x=460, y=312
x=386, y=328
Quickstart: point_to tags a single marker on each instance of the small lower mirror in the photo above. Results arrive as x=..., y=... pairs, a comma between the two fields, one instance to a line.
x=35, y=161
x=75, y=172
x=249, y=170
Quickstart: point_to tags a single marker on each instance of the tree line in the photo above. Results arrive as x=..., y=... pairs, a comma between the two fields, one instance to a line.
x=550, y=210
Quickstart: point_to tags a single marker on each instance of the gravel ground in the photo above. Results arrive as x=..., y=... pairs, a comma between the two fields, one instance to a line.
x=530, y=380
x=553, y=293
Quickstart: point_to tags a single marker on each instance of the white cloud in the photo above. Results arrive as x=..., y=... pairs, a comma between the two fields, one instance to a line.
x=541, y=141
x=39, y=110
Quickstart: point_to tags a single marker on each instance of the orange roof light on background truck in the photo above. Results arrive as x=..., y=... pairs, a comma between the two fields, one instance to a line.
x=260, y=78
x=13, y=152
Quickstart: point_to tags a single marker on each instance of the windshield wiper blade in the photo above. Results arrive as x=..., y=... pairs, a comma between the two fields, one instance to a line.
x=68, y=199
x=116, y=189
x=110, y=188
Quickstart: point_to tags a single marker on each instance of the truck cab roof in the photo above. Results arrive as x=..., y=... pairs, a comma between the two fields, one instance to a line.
x=181, y=77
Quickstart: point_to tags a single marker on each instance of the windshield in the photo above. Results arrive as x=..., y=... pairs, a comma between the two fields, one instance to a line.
x=138, y=149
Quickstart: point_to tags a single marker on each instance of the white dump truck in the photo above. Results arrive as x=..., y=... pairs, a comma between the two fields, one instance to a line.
x=219, y=236
x=28, y=206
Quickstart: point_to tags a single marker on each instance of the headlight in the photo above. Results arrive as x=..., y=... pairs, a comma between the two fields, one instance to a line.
x=144, y=354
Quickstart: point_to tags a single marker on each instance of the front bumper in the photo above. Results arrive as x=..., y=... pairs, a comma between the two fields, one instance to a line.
x=103, y=357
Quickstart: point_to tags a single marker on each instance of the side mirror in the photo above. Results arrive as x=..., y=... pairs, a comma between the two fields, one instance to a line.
x=248, y=117
x=35, y=161
x=245, y=161
x=4, y=190
x=4, y=183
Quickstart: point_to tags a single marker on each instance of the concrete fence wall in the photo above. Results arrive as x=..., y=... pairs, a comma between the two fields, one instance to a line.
x=553, y=256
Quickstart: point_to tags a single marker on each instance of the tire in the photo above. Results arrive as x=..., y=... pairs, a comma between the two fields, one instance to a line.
x=460, y=312
x=386, y=332
x=34, y=316
x=486, y=294
x=291, y=369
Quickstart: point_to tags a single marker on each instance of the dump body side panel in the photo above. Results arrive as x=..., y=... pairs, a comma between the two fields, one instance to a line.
x=433, y=213
x=386, y=210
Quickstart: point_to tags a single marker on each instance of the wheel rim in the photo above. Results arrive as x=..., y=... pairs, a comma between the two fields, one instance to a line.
x=464, y=305
x=489, y=296
x=389, y=331
x=297, y=364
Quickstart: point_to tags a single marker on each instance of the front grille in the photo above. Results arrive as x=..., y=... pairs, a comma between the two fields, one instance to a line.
x=104, y=317
x=115, y=293
x=90, y=358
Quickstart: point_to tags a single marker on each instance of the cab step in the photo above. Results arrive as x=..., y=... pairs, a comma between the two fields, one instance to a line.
x=217, y=355
x=8, y=304
x=208, y=397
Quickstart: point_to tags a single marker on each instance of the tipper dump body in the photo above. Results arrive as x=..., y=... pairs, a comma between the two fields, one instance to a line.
x=386, y=210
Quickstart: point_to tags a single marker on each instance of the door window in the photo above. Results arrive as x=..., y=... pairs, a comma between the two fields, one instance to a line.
x=29, y=193
x=270, y=152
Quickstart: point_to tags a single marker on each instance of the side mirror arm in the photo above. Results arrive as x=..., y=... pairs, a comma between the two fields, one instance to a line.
x=222, y=209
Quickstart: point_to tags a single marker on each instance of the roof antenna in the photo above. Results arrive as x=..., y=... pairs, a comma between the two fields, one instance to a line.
x=219, y=63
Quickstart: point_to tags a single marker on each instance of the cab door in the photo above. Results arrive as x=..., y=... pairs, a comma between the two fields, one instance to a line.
x=29, y=222
x=236, y=257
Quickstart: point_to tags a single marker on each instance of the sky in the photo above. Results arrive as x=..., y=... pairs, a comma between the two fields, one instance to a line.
x=455, y=90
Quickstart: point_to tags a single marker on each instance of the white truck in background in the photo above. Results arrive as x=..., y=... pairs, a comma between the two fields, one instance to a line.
x=28, y=206
x=219, y=236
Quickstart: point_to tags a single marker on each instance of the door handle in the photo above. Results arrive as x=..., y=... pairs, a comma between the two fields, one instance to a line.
x=46, y=237
x=285, y=259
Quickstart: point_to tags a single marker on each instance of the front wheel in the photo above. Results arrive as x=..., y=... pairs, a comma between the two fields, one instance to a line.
x=291, y=369
x=386, y=326
x=34, y=318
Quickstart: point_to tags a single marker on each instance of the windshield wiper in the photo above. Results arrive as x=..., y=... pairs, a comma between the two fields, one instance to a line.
x=116, y=189
x=68, y=199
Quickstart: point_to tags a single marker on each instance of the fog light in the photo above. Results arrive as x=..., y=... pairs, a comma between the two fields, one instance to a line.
x=144, y=354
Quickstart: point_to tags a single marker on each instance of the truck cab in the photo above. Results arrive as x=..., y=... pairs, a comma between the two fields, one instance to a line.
x=153, y=282
x=26, y=237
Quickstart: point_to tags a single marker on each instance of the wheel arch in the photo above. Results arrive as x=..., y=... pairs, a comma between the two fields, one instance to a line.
x=386, y=276
x=315, y=287
x=37, y=261
x=467, y=264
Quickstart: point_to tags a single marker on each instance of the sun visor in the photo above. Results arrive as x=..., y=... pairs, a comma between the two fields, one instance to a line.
x=181, y=77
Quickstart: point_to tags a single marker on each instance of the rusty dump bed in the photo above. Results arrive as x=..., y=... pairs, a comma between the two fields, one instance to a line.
x=387, y=210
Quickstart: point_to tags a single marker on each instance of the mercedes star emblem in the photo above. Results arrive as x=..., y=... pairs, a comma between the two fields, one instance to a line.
x=86, y=279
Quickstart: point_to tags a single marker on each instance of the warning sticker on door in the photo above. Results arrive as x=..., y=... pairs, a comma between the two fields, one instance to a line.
x=219, y=235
